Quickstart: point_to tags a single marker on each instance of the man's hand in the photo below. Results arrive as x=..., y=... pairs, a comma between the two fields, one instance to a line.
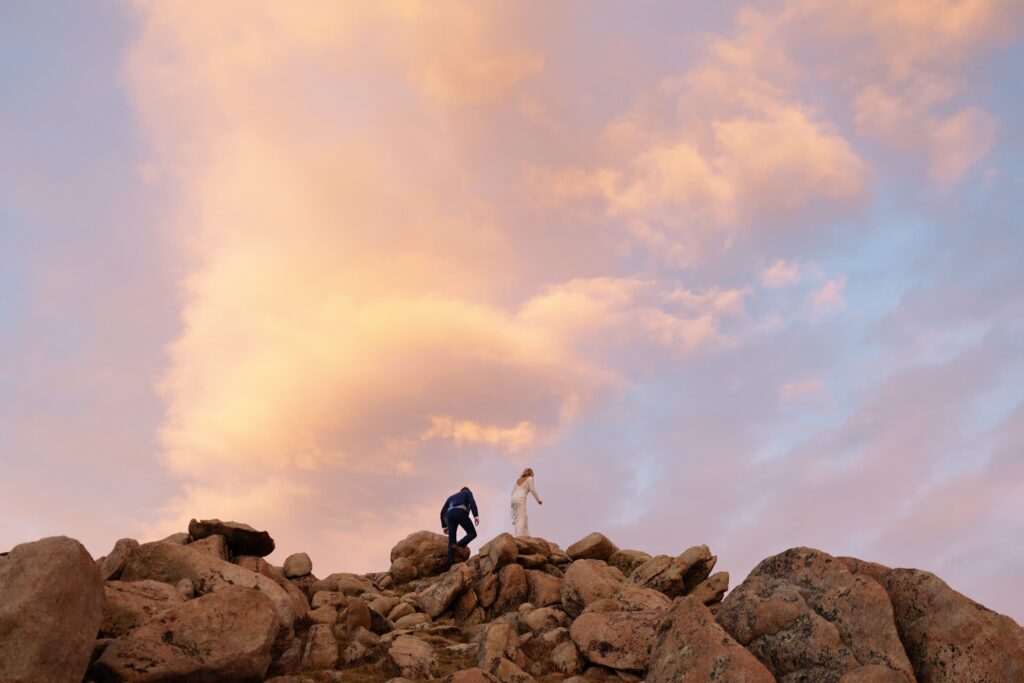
x=476, y=520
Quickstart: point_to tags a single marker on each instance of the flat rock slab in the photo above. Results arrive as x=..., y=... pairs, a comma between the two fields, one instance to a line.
x=241, y=538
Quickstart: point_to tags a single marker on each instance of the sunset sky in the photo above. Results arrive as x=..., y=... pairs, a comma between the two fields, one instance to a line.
x=743, y=274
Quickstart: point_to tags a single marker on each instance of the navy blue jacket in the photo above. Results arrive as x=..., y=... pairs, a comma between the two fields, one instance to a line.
x=460, y=498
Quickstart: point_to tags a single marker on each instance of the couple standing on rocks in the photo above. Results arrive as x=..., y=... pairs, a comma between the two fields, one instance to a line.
x=455, y=513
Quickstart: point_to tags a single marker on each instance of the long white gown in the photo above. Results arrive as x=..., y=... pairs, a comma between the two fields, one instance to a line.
x=519, y=493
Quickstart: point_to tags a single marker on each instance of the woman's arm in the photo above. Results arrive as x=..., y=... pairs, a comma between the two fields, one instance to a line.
x=533, y=490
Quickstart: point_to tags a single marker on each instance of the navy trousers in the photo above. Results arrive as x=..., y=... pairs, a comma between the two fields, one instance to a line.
x=458, y=517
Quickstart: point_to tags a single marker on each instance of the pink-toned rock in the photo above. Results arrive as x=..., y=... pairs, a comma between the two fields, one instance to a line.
x=711, y=589
x=948, y=636
x=112, y=565
x=412, y=620
x=214, y=546
x=628, y=560
x=400, y=610
x=691, y=646
x=675, y=576
x=474, y=675
x=51, y=604
x=241, y=538
x=544, y=589
x=498, y=552
x=617, y=640
x=412, y=657
x=130, y=604
x=345, y=582
x=326, y=614
x=635, y=599
x=298, y=564
x=465, y=605
x=427, y=551
x=332, y=598
x=180, y=538
x=403, y=570
x=543, y=619
x=487, y=590
x=593, y=546
x=171, y=563
x=512, y=588
x=566, y=659
x=321, y=650
x=226, y=635
x=499, y=642
x=804, y=613
x=586, y=581
x=357, y=614
x=439, y=596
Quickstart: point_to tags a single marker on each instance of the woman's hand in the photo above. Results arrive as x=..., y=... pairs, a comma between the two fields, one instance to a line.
x=540, y=502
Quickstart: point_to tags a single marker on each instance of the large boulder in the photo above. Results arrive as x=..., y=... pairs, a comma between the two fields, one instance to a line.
x=171, y=563
x=345, y=582
x=130, y=604
x=498, y=552
x=628, y=560
x=412, y=657
x=214, y=546
x=593, y=546
x=241, y=538
x=949, y=637
x=321, y=651
x=439, y=596
x=712, y=589
x=803, y=613
x=499, y=653
x=111, y=565
x=427, y=551
x=675, y=576
x=692, y=646
x=51, y=604
x=544, y=589
x=512, y=589
x=297, y=565
x=636, y=599
x=226, y=635
x=586, y=581
x=617, y=640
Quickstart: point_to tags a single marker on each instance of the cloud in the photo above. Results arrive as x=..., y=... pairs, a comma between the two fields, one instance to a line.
x=829, y=297
x=781, y=274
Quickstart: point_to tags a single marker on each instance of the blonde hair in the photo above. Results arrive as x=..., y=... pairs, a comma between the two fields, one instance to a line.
x=528, y=472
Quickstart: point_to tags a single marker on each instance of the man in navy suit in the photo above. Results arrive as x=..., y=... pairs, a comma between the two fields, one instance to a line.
x=455, y=513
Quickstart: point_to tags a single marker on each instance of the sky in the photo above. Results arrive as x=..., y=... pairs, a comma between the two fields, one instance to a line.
x=747, y=275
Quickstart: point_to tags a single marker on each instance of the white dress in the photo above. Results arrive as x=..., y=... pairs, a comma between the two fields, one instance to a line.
x=519, y=493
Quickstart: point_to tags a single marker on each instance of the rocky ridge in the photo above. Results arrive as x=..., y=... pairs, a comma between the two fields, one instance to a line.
x=205, y=606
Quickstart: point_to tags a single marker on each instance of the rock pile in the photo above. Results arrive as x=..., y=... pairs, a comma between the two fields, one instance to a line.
x=206, y=606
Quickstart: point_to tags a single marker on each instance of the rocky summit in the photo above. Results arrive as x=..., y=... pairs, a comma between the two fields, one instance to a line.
x=204, y=605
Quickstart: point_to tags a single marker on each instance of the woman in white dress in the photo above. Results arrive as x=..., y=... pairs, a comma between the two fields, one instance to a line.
x=524, y=485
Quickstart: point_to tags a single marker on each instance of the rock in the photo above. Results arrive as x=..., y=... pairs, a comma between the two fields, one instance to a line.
x=111, y=566
x=487, y=590
x=412, y=657
x=498, y=552
x=345, y=582
x=465, y=605
x=692, y=646
x=51, y=604
x=543, y=589
x=804, y=614
x=321, y=650
x=628, y=560
x=242, y=539
x=566, y=659
x=618, y=640
x=326, y=614
x=512, y=588
x=226, y=635
x=332, y=598
x=604, y=605
x=186, y=589
x=403, y=570
x=298, y=565
x=675, y=576
x=949, y=637
x=305, y=584
x=400, y=610
x=180, y=538
x=474, y=675
x=712, y=589
x=214, y=546
x=172, y=563
x=357, y=615
x=130, y=604
x=384, y=604
x=439, y=596
x=427, y=551
x=544, y=619
x=411, y=620
x=594, y=546
x=635, y=599
x=587, y=581
x=499, y=642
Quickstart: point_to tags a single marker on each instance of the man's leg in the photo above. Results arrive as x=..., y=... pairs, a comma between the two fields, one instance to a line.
x=470, y=531
x=453, y=528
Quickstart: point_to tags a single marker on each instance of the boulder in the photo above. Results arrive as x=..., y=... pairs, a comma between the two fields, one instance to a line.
x=543, y=589
x=675, y=576
x=711, y=589
x=214, y=546
x=241, y=538
x=357, y=615
x=586, y=581
x=427, y=551
x=225, y=635
x=411, y=620
x=498, y=552
x=130, y=604
x=321, y=651
x=439, y=596
x=345, y=582
x=487, y=590
x=474, y=675
x=617, y=640
x=692, y=646
x=803, y=613
x=403, y=570
x=112, y=565
x=543, y=619
x=566, y=659
x=593, y=546
x=180, y=538
x=412, y=657
x=628, y=560
x=327, y=614
x=512, y=588
x=635, y=599
x=171, y=563
x=331, y=598
x=400, y=610
x=465, y=605
x=950, y=637
x=298, y=565
x=51, y=604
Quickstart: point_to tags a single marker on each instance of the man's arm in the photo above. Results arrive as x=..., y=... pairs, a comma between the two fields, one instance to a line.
x=472, y=506
x=444, y=521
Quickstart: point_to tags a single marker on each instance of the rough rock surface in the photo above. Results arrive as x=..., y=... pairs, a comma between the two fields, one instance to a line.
x=804, y=613
x=691, y=646
x=129, y=604
x=675, y=576
x=412, y=657
x=241, y=538
x=617, y=640
x=593, y=546
x=587, y=581
x=439, y=596
x=226, y=635
x=427, y=551
x=112, y=565
x=298, y=565
x=51, y=604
